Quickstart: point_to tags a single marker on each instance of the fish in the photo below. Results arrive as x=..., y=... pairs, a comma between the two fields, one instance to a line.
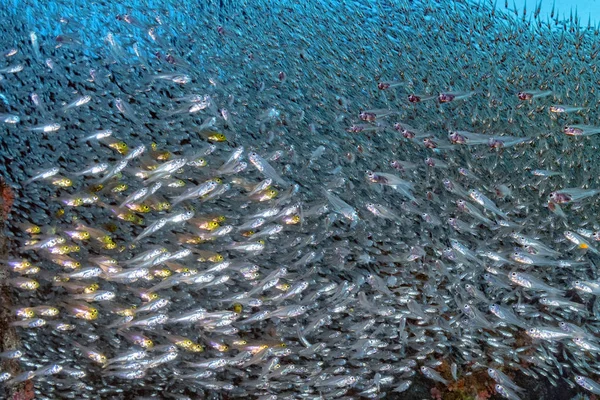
x=581, y=130
x=12, y=69
x=124, y=108
x=588, y=384
x=507, y=315
x=266, y=169
x=195, y=192
x=10, y=118
x=218, y=201
x=432, y=374
x=531, y=259
x=531, y=282
x=374, y=115
x=381, y=211
x=35, y=44
x=533, y=94
x=341, y=207
x=506, y=392
x=98, y=135
x=49, y=173
x=486, y=203
x=152, y=228
x=545, y=173
x=446, y=97
x=569, y=195
x=402, y=186
x=77, y=102
x=417, y=98
x=563, y=108
x=579, y=241
x=46, y=128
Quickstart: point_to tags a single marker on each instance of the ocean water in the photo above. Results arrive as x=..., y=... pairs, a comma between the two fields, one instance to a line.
x=298, y=200
x=585, y=9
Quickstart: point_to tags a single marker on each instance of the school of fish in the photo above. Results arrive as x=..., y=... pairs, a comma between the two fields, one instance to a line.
x=299, y=200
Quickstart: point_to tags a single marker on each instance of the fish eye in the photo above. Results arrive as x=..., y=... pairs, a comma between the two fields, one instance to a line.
x=513, y=274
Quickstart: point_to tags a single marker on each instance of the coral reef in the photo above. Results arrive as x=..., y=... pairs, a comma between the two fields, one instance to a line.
x=474, y=386
x=7, y=198
x=8, y=336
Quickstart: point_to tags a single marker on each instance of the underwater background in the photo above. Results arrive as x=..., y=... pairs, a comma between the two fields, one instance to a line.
x=299, y=200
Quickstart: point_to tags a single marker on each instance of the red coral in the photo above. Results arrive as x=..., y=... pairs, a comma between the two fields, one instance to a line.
x=436, y=394
x=7, y=197
x=26, y=393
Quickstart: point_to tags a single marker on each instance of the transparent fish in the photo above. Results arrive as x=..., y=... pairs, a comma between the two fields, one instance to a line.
x=266, y=169
x=341, y=207
x=315, y=200
x=78, y=102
